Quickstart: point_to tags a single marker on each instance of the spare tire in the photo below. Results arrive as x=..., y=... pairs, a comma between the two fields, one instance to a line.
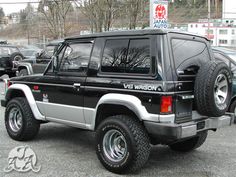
x=213, y=89
x=16, y=56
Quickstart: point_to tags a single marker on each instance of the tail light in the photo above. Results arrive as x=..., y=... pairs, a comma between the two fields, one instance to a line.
x=7, y=84
x=166, y=104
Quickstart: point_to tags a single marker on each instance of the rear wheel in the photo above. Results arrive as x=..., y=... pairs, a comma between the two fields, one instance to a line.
x=19, y=120
x=122, y=144
x=190, y=144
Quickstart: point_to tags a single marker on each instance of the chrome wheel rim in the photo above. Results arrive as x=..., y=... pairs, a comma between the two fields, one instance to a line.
x=15, y=119
x=114, y=145
x=221, y=89
x=17, y=58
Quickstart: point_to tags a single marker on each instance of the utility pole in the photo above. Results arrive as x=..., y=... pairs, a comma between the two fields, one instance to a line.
x=209, y=17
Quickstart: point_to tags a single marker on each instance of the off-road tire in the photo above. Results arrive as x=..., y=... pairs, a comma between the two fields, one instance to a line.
x=30, y=126
x=138, y=144
x=190, y=144
x=232, y=108
x=204, y=88
x=23, y=72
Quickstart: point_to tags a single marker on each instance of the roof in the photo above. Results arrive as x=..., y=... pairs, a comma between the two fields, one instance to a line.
x=132, y=33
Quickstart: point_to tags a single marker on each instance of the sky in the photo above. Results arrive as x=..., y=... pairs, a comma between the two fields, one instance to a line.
x=10, y=8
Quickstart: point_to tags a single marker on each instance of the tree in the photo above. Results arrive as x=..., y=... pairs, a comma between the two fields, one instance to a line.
x=26, y=19
x=101, y=13
x=2, y=14
x=56, y=13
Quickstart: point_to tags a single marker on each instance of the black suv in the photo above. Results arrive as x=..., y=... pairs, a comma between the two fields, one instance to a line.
x=8, y=55
x=134, y=88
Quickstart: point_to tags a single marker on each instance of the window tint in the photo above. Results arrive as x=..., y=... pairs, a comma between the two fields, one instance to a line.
x=76, y=57
x=187, y=52
x=127, y=56
x=138, y=58
x=114, y=56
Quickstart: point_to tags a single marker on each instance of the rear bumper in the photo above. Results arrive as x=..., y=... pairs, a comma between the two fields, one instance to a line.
x=185, y=130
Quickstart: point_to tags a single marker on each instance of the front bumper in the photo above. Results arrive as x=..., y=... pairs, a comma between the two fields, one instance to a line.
x=185, y=130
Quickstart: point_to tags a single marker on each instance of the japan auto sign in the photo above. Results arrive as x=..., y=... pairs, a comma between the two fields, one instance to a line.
x=158, y=13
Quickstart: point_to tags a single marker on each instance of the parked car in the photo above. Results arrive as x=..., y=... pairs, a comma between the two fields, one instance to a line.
x=9, y=54
x=38, y=61
x=229, y=57
x=29, y=51
x=133, y=88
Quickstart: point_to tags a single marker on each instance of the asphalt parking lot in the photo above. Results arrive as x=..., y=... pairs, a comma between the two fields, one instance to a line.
x=65, y=151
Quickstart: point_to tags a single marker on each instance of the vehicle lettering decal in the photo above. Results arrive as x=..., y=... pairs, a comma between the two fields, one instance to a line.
x=142, y=87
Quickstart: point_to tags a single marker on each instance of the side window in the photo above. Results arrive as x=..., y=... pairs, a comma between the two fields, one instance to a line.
x=76, y=58
x=114, y=56
x=188, y=53
x=138, y=58
x=127, y=56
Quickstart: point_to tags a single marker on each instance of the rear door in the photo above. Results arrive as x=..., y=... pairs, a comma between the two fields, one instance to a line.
x=188, y=53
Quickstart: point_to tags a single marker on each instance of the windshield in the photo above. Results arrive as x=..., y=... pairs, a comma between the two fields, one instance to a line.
x=50, y=50
x=28, y=52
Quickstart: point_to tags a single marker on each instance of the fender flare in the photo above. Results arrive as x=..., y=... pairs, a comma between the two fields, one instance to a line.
x=29, y=96
x=28, y=66
x=131, y=102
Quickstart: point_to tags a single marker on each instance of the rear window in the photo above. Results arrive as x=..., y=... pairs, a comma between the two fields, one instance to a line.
x=188, y=52
x=127, y=56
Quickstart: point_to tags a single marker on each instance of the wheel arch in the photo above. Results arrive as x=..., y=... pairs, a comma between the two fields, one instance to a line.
x=117, y=104
x=21, y=90
x=106, y=110
x=26, y=66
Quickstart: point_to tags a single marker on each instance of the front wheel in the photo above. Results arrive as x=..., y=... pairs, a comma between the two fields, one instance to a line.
x=19, y=120
x=190, y=144
x=122, y=144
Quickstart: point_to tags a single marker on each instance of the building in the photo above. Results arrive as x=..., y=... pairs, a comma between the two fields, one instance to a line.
x=219, y=34
x=229, y=9
x=14, y=18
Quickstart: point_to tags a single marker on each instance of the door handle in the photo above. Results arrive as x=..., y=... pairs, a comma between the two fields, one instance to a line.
x=77, y=86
